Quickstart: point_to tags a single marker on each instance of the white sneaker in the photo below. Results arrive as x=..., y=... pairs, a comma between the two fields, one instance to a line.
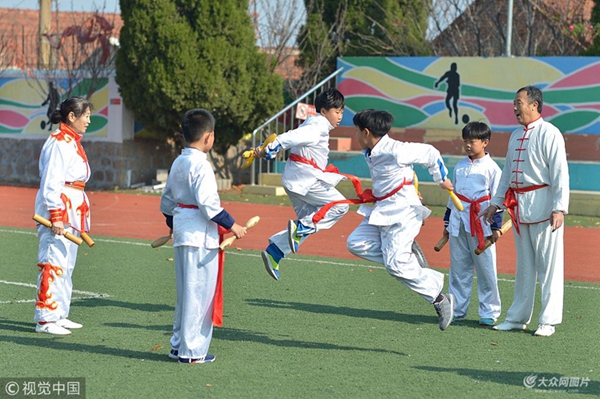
x=544, y=330
x=508, y=326
x=51, y=328
x=66, y=323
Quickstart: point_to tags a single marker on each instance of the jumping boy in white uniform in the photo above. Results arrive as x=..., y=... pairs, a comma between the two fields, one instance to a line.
x=192, y=206
x=389, y=228
x=304, y=178
x=476, y=178
x=534, y=187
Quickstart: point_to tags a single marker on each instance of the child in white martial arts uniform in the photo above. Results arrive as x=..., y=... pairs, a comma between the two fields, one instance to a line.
x=64, y=171
x=389, y=228
x=192, y=206
x=534, y=187
x=476, y=178
x=305, y=180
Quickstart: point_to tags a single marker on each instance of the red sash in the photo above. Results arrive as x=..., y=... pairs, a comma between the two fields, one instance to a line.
x=511, y=203
x=475, y=222
x=217, y=314
x=363, y=197
x=186, y=206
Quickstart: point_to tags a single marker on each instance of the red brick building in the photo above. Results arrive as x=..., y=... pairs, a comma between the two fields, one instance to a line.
x=19, y=33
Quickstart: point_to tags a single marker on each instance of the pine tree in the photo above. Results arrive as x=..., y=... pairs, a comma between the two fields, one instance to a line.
x=181, y=54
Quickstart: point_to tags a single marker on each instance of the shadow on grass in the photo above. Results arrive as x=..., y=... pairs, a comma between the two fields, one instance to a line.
x=60, y=343
x=347, y=311
x=475, y=325
x=534, y=381
x=147, y=307
x=20, y=326
x=232, y=334
x=168, y=328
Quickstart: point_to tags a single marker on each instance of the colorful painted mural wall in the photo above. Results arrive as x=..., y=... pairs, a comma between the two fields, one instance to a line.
x=446, y=93
x=26, y=104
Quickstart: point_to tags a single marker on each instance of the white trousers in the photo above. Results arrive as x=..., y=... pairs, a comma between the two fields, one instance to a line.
x=392, y=246
x=540, y=256
x=56, y=261
x=306, y=206
x=463, y=262
x=196, y=272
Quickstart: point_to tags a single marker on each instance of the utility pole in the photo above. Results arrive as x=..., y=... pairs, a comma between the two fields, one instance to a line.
x=509, y=22
x=44, y=43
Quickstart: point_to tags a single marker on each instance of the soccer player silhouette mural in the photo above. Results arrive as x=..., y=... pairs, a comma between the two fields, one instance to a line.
x=53, y=100
x=452, y=79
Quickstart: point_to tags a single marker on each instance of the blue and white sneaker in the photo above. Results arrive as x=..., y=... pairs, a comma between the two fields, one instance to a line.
x=174, y=354
x=209, y=358
x=486, y=321
x=296, y=231
x=293, y=238
x=271, y=266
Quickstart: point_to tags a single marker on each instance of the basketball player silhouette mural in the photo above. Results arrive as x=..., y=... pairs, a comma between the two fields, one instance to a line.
x=452, y=79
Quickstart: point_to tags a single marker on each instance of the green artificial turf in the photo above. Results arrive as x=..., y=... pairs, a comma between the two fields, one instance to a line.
x=330, y=328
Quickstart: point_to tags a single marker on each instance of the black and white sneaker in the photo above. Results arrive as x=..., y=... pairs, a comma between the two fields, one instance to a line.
x=209, y=358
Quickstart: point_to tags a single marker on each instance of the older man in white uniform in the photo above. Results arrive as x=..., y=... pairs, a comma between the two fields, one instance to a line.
x=534, y=187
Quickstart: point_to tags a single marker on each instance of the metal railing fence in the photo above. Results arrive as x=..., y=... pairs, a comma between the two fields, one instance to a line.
x=284, y=121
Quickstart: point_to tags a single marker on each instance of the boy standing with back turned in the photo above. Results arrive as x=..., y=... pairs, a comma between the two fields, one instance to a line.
x=476, y=178
x=193, y=210
x=304, y=178
x=389, y=228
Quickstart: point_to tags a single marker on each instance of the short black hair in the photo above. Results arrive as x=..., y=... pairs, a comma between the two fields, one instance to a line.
x=476, y=130
x=76, y=105
x=328, y=99
x=534, y=94
x=195, y=123
x=378, y=122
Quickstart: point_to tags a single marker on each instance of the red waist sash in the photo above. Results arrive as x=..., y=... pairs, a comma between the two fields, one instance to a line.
x=511, y=203
x=475, y=222
x=363, y=197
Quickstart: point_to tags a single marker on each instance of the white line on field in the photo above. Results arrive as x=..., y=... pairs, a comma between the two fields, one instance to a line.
x=323, y=262
x=88, y=294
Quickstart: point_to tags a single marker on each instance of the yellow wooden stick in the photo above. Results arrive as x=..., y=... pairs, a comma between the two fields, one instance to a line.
x=249, y=224
x=249, y=155
x=43, y=221
x=457, y=202
x=488, y=243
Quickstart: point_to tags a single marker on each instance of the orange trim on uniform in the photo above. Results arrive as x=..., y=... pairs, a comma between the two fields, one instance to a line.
x=66, y=131
x=56, y=215
x=48, y=275
x=77, y=185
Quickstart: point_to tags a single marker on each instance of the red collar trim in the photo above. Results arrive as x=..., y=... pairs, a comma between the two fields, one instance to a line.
x=531, y=124
x=66, y=129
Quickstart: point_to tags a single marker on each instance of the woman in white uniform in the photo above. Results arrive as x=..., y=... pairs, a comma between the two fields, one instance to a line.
x=64, y=171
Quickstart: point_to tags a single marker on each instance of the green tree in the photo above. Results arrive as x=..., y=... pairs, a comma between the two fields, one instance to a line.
x=361, y=28
x=181, y=54
x=594, y=24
